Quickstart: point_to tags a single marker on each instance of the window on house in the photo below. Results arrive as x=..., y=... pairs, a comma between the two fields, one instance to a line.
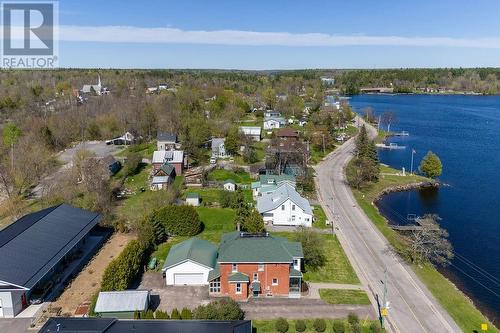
x=293, y=207
x=234, y=268
x=295, y=262
x=238, y=288
x=307, y=219
x=275, y=282
x=261, y=267
x=293, y=217
x=215, y=286
x=282, y=207
x=256, y=276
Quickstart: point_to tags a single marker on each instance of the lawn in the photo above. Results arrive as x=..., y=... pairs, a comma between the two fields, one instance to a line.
x=260, y=150
x=268, y=326
x=460, y=308
x=319, y=217
x=210, y=195
x=144, y=149
x=317, y=154
x=344, y=296
x=216, y=221
x=337, y=268
x=223, y=175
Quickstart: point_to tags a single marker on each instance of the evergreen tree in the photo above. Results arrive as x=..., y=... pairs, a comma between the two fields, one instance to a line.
x=431, y=165
x=253, y=222
x=232, y=142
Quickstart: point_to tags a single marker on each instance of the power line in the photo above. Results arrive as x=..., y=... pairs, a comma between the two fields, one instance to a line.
x=474, y=280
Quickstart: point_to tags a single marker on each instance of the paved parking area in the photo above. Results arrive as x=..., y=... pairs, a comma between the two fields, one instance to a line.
x=15, y=325
x=166, y=298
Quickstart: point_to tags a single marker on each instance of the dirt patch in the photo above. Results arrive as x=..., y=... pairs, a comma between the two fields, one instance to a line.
x=88, y=282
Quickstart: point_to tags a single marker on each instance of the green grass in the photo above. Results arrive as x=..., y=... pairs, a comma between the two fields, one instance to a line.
x=460, y=308
x=337, y=268
x=223, y=175
x=344, y=296
x=211, y=195
x=216, y=221
x=319, y=217
x=268, y=326
x=260, y=150
x=317, y=154
x=145, y=149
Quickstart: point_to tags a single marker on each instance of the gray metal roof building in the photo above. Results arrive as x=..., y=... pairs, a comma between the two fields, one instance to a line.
x=35, y=243
x=111, y=325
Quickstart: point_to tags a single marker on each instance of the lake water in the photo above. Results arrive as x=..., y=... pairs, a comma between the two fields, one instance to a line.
x=464, y=131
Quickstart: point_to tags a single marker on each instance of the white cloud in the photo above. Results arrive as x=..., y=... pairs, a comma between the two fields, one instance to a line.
x=166, y=35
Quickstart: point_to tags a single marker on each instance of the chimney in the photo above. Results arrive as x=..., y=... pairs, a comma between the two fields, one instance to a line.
x=238, y=226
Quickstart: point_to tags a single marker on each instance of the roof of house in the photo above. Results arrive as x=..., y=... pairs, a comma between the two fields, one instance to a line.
x=34, y=244
x=238, y=277
x=229, y=181
x=194, y=249
x=281, y=120
x=216, y=142
x=276, y=179
x=192, y=196
x=167, y=136
x=112, y=325
x=160, y=179
x=287, y=132
x=122, y=301
x=284, y=192
x=171, y=156
x=250, y=129
x=257, y=248
x=167, y=168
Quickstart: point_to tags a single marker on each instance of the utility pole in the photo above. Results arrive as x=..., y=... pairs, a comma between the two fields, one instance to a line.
x=384, y=311
x=378, y=123
x=323, y=135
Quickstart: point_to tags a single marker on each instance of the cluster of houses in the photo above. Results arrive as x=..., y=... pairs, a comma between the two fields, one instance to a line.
x=168, y=161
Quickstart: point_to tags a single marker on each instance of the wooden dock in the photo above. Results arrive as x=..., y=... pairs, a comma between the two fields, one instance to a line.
x=412, y=227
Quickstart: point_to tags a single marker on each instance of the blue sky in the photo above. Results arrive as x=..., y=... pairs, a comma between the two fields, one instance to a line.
x=279, y=34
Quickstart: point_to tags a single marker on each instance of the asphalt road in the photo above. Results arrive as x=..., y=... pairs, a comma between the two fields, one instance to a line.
x=412, y=306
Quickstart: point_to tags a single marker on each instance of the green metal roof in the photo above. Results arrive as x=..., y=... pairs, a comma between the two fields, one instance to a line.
x=275, y=179
x=238, y=277
x=192, y=195
x=295, y=273
x=194, y=249
x=214, y=273
x=256, y=286
x=255, y=185
x=167, y=168
x=242, y=247
x=230, y=181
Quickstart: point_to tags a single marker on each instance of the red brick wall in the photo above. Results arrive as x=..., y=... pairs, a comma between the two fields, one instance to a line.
x=271, y=271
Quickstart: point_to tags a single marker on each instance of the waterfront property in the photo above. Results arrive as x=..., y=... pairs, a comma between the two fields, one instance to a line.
x=112, y=325
x=284, y=206
x=40, y=251
x=121, y=304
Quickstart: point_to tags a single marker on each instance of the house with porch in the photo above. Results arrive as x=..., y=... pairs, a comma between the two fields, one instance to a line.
x=256, y=265
x=285, y=206
x=244, y=265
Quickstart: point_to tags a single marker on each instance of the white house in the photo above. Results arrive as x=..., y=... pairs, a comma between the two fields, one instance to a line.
x=273, y=122
x=229, y=185
x=285, y=206
x=253, y=132
x=272, y=113
x=167, y=141
x=189, y=262
x=219, y=149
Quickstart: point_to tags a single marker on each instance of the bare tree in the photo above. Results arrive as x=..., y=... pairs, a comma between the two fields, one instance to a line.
x=388, y=118
x=430, y=243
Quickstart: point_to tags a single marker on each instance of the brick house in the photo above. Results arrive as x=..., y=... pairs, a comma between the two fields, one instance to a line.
x=256, y=265
x=172, y=157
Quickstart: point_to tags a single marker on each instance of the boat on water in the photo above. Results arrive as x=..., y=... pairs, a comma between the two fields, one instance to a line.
x=389, y=146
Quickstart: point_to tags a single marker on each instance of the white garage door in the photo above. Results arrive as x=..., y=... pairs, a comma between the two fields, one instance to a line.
x=188, y=278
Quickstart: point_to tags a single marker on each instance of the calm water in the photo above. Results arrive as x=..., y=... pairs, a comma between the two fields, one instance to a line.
x=464, y=131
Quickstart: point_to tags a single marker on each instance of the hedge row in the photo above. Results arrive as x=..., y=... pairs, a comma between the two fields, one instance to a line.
x=178, y=220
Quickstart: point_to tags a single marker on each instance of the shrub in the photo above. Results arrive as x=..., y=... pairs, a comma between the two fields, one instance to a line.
x=352, y=319
x=161, y=315
x=338, y=326
x=313, y=246
x=226, y=199
x=223, y=309
x=186, y=314
x=175, y=314
x=123, y=270
x=319, y=325
x=375, y=328
x=149, y=314
x=356, y=328
x=137, y=315
x=281, y=325
x=300, y=326
x=179, y=220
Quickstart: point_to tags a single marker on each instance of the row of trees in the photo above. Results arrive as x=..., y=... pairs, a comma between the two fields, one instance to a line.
x=364, y=167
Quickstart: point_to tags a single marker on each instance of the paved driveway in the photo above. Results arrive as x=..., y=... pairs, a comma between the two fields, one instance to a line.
x=271, y=308
x=15, y=325
x=167, y=298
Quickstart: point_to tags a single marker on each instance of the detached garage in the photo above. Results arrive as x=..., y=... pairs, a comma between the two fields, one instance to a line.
x=189, y=262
